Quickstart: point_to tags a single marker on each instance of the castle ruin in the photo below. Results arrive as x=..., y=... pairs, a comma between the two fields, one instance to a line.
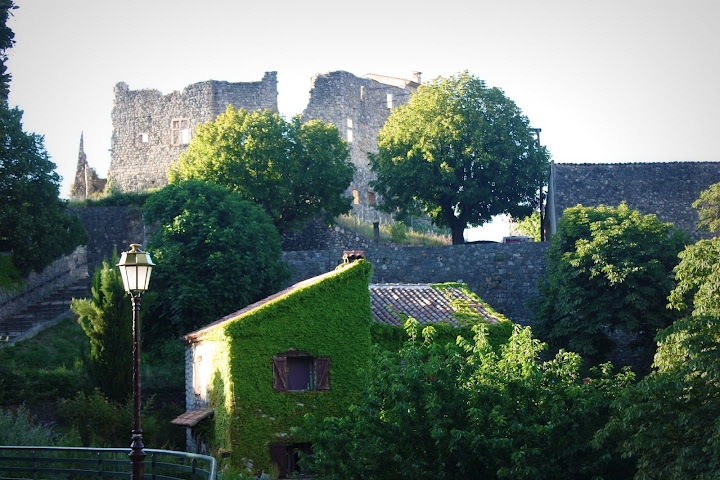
x=152, y=130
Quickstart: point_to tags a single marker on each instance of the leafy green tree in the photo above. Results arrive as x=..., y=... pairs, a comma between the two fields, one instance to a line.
x=608, y=269
x=471, y=411
x=670, y=421
x=294, y=171
x=7, y=40
x=529, y=225
x=35, y=226
x=106, y=319
x=708, y=207
x=461, y=153
x=214, y=253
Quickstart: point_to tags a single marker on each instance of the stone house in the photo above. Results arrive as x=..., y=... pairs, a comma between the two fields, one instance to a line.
x=252, y=375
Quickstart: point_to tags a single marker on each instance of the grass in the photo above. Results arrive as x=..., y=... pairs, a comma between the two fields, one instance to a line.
x=60, y=346
x=396, y=232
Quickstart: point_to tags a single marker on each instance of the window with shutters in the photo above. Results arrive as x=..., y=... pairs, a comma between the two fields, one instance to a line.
x=295, y=371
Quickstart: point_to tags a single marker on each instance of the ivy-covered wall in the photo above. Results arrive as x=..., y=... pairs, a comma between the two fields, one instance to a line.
x=328, y=317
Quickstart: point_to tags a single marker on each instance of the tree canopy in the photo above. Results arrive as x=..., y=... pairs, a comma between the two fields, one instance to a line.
x=35, y=226
x=295, y=171
x=708, y=207
x=215, y=253
x=106, y=319
x=608, y=269
x=471, y=410
x=460, y=152
x=670, y=420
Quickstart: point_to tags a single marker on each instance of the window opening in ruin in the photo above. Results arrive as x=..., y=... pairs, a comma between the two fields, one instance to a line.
x=389, y=100
x=371, y=198
x=356, y=197
x=143, y=138
x=362, y=92
x=180, y=131
x=349, y=130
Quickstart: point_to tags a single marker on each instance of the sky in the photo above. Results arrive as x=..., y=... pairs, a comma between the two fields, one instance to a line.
x=606, y=81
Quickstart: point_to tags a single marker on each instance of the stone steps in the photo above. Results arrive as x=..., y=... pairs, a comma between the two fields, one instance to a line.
x=40, y=315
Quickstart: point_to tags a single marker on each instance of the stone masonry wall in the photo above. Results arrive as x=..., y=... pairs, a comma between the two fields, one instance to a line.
x=151, y=130
x=110, y=228
x=64, y=271
x=503, y=275
x=358, y=107
x=664, y=189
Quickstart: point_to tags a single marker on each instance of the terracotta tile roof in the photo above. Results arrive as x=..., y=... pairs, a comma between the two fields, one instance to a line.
x=393, y=303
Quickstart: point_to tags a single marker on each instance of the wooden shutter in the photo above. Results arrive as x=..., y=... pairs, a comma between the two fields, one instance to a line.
x=322, y=373
x=280, y=377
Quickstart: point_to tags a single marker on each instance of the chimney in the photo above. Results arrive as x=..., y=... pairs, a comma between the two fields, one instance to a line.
x=416, y=77
x=350, y=256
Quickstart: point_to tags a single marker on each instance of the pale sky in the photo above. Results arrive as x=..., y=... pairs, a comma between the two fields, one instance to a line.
x=606, y=81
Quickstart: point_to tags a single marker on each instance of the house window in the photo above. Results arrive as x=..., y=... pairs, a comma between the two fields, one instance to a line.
x=180, y=131
x=198, y=380
x=287, y=457
x=389, y=100
x=296, y=371
x=371, y=198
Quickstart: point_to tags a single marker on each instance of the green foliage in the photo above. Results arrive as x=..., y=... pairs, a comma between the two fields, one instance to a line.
x=708, y=207
x=35, y=226
x=19, y=428
x=214, y=253
x=43, y=368
x=248, y=413
x=529, y=225
x=7, y=40
x=295, y=171
x=608, y=268
x=101, y=422
x=670, y=421
x=467, y=410
x=119, y=199
x=697, y=278
x=461, y=153
x=106, y=319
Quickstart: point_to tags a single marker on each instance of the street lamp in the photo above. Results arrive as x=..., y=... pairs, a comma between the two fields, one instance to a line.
x=135, y=269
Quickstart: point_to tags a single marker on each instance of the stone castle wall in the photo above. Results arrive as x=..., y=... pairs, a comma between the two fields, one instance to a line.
x=503, y=275
x=667, y=190
x=358, y=107
x=148, y=126
x=151, y=130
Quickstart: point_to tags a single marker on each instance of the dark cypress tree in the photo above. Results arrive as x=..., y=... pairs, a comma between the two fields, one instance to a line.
x=106, y=319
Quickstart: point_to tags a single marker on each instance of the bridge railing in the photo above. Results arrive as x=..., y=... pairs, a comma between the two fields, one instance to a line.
x=40, y=463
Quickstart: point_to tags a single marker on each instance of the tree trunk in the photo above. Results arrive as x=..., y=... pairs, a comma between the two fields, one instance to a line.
x=458, y=233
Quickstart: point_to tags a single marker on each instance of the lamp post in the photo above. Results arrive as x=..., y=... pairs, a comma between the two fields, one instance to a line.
x=135, y=269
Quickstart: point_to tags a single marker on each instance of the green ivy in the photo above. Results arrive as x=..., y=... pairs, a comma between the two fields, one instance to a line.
x=328, y=318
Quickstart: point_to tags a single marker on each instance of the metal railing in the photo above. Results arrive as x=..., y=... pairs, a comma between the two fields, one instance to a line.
x=40, y=463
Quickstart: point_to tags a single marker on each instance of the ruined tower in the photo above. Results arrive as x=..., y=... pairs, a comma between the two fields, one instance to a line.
x=358, y=107
x=86, y=181
x=151, y=130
